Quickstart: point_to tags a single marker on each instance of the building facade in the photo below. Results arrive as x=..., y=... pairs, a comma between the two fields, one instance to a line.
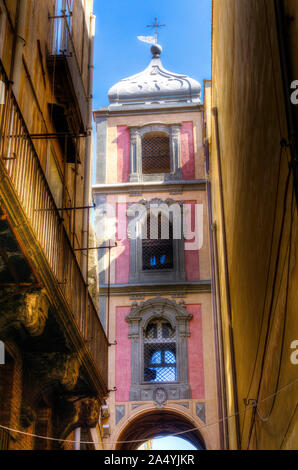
x=154, y=265
x=53, y=378
x=251, y=117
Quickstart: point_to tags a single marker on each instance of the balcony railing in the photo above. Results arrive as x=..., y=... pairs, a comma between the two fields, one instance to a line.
x=63, y=57
x=19, y=160
x=4, y=439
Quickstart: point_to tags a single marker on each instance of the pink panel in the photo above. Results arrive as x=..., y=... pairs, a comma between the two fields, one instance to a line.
x=191, y=257
x=123, y=369
x=123, y=141
x=195, y=353
x=123, y=249
x=187, y=151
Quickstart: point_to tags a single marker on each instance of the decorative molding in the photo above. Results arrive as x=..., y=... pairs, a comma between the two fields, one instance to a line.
x=120, y=413
x=166, y=288
x=160, y=397
x=77, y=413
x=185, y=405
x=55, y=368
x=201, y=411
x=138, y=188
x=138, y=319
x=106, y=111
x=136, y=136
x=28, y=311
x=136, y=405
x=27, y=416
x=177, y=273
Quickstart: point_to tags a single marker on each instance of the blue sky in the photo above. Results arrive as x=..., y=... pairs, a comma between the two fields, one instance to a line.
x=186, y=41
x=171, y=443
x=119, y=54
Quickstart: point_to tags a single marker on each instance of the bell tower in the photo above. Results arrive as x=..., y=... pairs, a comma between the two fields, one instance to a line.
x=154, y=262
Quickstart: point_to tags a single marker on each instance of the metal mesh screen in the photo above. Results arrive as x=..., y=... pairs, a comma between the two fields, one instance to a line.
x=157, y=252
x=155, y=154
x=159, y=352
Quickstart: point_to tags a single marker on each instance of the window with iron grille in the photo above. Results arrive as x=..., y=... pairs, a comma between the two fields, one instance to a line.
x=157, y=252
x=156, y=153
x=159, y=329
x=159, y=352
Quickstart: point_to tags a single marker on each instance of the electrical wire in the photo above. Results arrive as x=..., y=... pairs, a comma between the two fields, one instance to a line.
x=271, y=310
x=278, y=114
x=282, y=389
x=289, y=249
x=267, y=284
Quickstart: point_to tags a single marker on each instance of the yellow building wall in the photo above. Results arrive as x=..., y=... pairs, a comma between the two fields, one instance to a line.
x=260, y=214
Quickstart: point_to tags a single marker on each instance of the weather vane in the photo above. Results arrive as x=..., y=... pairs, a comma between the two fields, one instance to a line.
x=151, y=39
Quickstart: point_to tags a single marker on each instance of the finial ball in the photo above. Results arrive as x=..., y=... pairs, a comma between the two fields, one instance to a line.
x=156, y=49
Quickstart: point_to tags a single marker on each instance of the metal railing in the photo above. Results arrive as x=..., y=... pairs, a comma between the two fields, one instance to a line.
x=61, y=44
x=4, y=439
x=19, y=160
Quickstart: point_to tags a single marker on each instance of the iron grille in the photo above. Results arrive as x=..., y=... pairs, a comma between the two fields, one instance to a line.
x=157, y=252
x=4, y=439
x=160, y=352
x=155, y=154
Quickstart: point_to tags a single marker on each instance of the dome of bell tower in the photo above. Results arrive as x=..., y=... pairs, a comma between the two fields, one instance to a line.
x=155, y=85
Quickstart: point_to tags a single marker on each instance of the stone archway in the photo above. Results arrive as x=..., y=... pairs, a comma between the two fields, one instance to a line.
x=155, y=423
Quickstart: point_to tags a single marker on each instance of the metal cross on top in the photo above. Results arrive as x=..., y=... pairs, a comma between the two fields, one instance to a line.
x=156, y=25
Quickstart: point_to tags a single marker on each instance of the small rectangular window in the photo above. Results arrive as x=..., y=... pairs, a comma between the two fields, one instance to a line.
x=155, y=154
x=157, y=252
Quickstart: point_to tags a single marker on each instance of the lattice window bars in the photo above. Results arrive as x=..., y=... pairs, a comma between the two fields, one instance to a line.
x=157, y=252
x=156, y=154
x=159, y=352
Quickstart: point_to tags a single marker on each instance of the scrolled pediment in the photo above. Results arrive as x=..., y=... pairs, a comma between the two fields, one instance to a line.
x=158, y=307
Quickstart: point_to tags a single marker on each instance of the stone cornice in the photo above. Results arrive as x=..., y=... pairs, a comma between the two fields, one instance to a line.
x=161, y=289
x=171, y=187
x=109, y=111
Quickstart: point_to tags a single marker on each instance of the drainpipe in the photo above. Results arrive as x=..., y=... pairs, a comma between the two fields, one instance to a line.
x=227, y=281
x=221, y=389
x=18, y=45
x=88, y=159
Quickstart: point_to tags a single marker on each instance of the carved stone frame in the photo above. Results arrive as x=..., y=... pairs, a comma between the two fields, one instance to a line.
x=138, y=320
x=136, y=135
x=137, y=274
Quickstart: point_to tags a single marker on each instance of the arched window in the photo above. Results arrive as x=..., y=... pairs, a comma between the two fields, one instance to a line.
x=156, y=153
x=156, y=241
x=159, y=330
x=157, y=248
x=160, y=352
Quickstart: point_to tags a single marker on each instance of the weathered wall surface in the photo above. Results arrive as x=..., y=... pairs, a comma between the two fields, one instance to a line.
x=196, y=261
x=260, y=214
x=201, y=357
x=117, y=139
